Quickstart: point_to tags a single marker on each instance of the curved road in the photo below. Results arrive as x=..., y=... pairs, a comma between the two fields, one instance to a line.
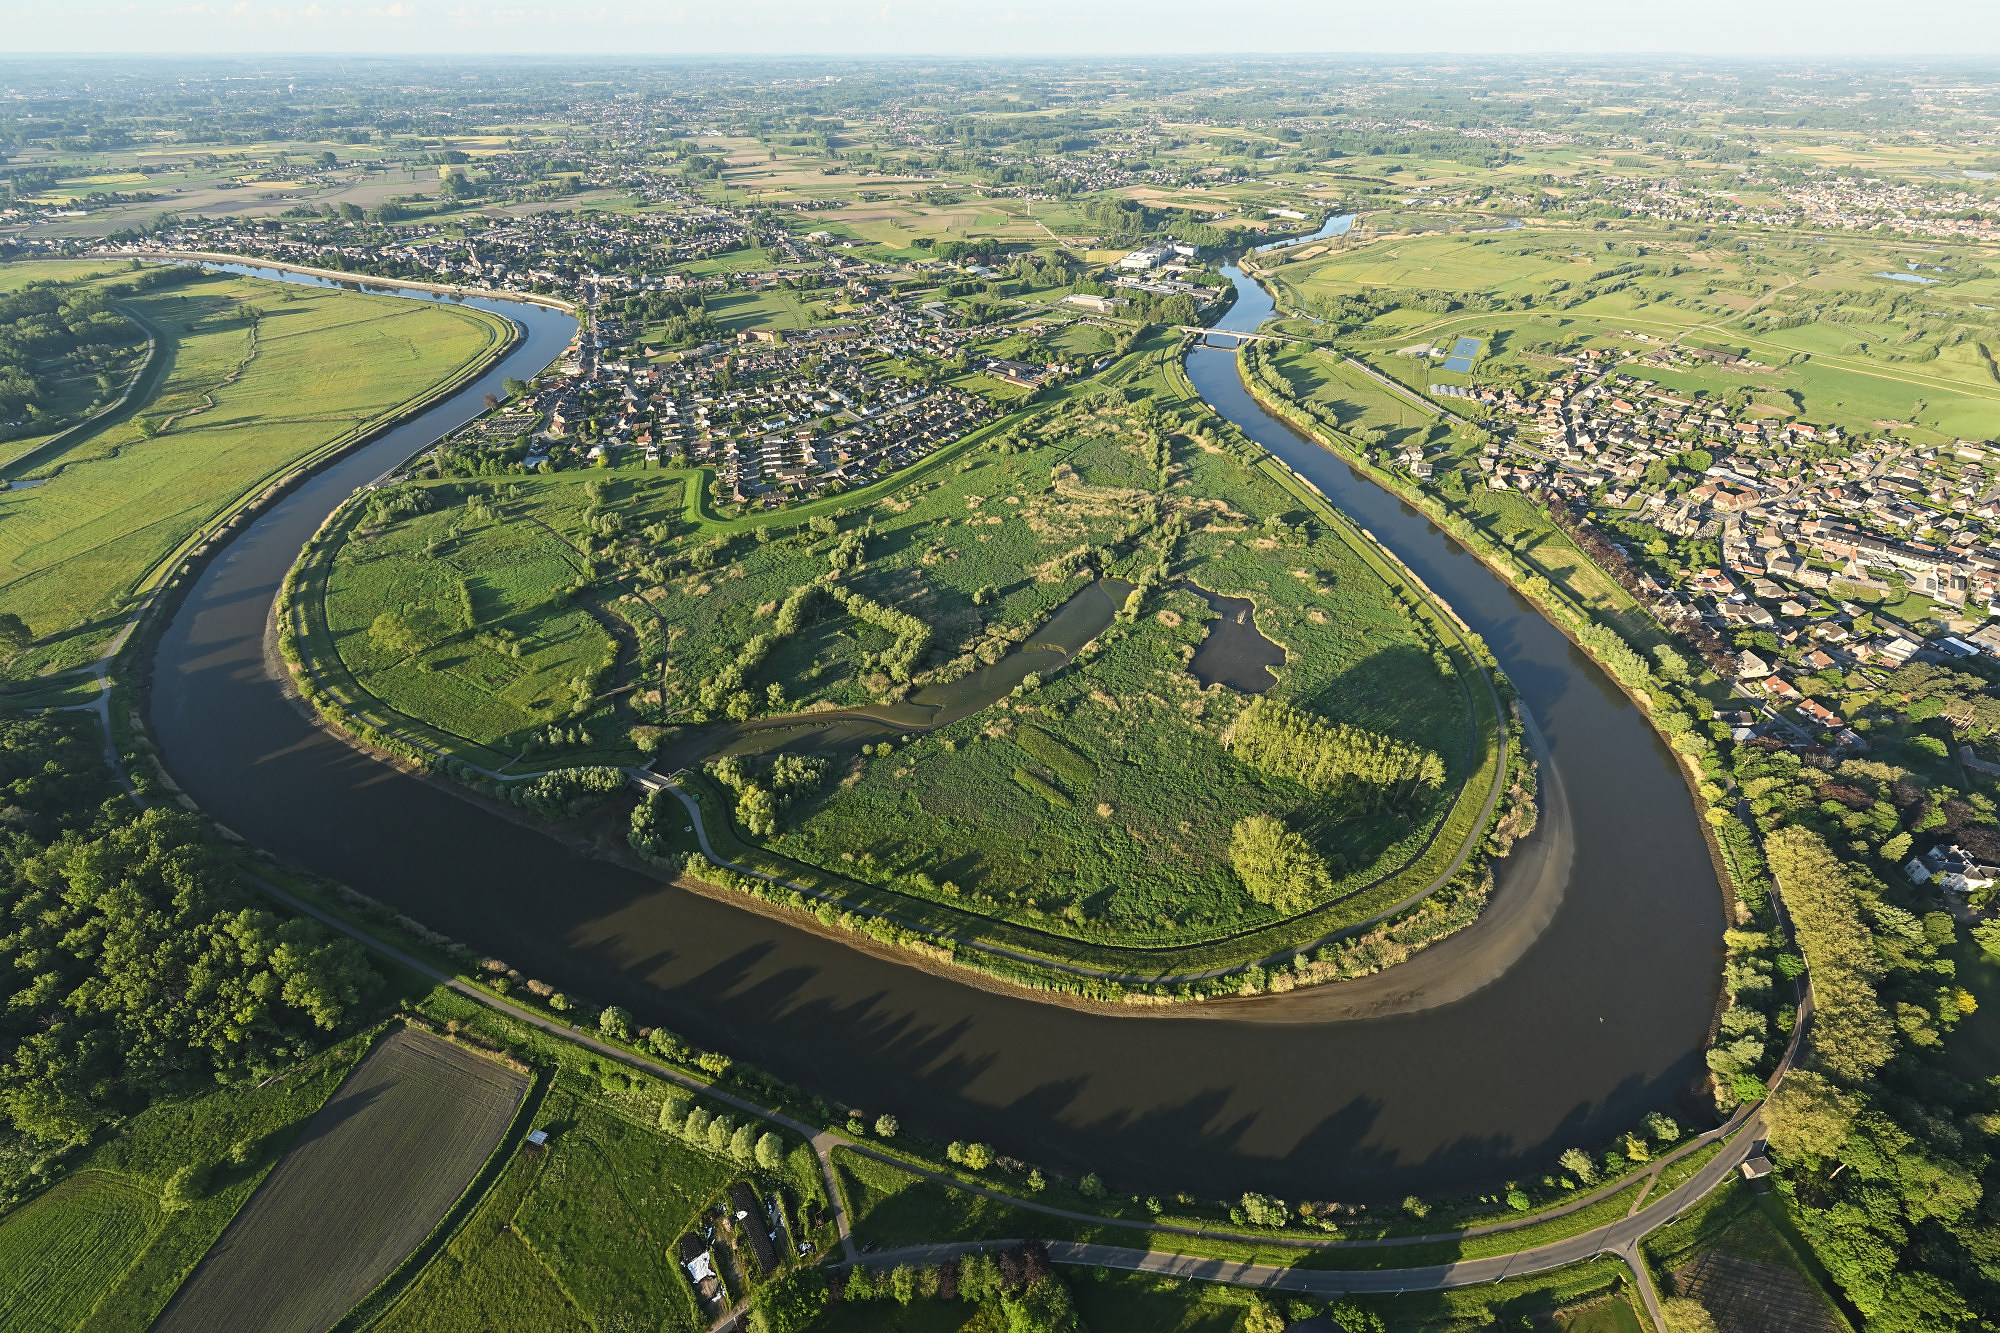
x=1620, y=1237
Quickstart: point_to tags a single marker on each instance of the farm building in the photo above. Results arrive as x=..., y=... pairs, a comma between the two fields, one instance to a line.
x=743, y=1206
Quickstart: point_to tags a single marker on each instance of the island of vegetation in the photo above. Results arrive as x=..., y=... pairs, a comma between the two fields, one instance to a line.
x=1012, y=705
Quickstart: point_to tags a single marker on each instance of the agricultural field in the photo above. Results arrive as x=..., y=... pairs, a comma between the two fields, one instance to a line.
x=60, y=1253
x=103, y=1250
x=1012, y=631
x=251, y=379
x=583, y=1235
x=376, y=1170
x=1838, y=341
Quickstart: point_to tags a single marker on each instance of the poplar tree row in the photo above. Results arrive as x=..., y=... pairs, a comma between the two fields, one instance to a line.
x=1329, y=757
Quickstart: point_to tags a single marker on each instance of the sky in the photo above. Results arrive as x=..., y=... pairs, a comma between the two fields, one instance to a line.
x=1955, y=29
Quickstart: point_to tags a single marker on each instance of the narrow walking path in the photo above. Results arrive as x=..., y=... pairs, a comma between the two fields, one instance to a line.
x=1620, y=1238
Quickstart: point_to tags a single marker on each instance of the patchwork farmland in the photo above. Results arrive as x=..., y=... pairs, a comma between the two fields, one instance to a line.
x=369, y=1178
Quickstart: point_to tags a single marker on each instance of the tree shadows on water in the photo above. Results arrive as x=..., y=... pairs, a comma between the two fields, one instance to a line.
x=1601, y=1020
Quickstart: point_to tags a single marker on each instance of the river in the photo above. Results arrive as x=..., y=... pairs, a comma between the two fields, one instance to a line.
x=1599, y=1018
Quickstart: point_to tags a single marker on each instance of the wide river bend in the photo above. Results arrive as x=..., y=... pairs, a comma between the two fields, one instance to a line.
x=1599, y=1017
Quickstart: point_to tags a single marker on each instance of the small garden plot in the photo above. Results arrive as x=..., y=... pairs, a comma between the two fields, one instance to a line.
x=373, y=1173
x=584, y=1234
x=612, y=1200
x=1745, y=1296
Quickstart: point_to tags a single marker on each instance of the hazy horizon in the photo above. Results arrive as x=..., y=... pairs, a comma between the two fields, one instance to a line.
x=1952, y=30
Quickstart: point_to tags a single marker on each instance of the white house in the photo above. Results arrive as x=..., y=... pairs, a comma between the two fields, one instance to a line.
x=1953, y=868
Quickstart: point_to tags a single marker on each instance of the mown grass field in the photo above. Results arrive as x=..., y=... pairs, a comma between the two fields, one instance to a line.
x=97, y=1252
x=240, y=402
x=375, y=1171
x=58, y=1254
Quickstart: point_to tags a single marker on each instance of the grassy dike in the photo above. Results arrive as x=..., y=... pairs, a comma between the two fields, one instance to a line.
x=933, y=933
x=906, y=1190
x=1619, y=637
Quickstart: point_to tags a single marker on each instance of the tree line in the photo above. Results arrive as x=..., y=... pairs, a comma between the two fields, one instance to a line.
x=46, y=330
x=1331, y=757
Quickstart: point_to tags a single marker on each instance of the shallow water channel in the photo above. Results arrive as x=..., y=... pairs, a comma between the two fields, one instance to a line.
x=1598, y=1013
x=1087, y=614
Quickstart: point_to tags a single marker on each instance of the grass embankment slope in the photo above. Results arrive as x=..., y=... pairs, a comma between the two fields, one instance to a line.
x=1092, y=810
x=251, y=379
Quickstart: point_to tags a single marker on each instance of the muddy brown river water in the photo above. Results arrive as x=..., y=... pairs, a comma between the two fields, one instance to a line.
x=1577, y=1007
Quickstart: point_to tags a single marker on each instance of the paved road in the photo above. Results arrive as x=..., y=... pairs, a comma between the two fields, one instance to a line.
x=1619, y=1238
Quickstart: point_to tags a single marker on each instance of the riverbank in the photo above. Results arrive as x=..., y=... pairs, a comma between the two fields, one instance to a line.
x=1675, y=720
x=333, y=275
x=1568, y=615
x=1593, y=1014
x=1365, y=930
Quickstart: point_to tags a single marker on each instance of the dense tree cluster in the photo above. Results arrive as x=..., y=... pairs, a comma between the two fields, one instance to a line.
x=1852, y=1036
x=676, y=319
x=1885, y=1149
x=565, y=793
x=1331, y=757
x=913, y=636
x=1277, y=866
x=46, y=330
x=1020, y=1285
x=761, y=797
x=134, y=962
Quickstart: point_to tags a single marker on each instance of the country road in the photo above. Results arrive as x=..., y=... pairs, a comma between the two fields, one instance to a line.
x=1620, y=1238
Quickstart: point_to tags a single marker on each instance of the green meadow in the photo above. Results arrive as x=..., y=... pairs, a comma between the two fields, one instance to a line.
x=585, y=616
x=512, y=631
x=251, y=380
x=1842, y=343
